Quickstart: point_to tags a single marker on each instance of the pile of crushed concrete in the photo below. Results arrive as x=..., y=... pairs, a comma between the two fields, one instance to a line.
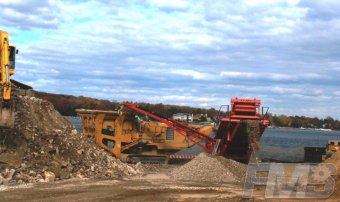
x=210, y=168
x=335, y=160
x=44, y=146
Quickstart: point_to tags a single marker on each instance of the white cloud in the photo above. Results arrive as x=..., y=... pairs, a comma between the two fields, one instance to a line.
x=192, y=73
x=186, y=52
x=261, y=2
x=272, y=76
x=174, y=4
x=31, y=14
x=182, y=98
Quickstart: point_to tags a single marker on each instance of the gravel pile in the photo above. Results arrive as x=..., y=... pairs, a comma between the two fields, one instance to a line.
x=209, y=168
x=44, y=146
x=335, y=160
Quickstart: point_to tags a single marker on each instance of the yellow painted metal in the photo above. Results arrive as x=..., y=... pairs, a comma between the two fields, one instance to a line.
x=4, y=66
x=333, y=145
x=87, y=118
x=207, y=129
x=6, y=106
x=122, y=133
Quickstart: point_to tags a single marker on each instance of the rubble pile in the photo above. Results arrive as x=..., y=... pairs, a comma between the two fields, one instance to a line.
x=335, y=160
x=209, y=168
x=44, y=146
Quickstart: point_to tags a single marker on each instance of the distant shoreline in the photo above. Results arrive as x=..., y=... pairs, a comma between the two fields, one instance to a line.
x=318, y=129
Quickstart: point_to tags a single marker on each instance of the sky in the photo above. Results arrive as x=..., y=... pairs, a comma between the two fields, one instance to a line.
x=196, y=53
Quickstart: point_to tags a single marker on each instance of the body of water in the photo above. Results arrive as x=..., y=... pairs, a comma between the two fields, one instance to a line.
x=76, y=122
x=281, y=144
x=292, y=137
x=287, y=144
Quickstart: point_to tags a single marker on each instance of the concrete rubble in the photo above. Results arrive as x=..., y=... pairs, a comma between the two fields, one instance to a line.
x=45, y=147
x=335, y=160
x=209, y=168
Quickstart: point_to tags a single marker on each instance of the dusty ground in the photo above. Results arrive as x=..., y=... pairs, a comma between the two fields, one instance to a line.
x=154, y=186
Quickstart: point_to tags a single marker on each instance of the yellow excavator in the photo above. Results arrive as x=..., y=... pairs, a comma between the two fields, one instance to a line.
x=8, y=85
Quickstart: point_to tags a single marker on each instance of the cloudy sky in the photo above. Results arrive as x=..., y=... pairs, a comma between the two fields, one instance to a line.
x=197, y=53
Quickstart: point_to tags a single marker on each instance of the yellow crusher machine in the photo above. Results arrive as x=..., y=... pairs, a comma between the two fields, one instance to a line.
x=133, y=138
x=135, y=135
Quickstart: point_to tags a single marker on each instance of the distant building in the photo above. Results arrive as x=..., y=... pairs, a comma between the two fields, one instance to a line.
x=183, y=117
x=202, y=118
x=197, y=117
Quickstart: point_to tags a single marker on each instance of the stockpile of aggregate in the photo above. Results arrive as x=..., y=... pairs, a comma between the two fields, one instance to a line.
x=210, y=168
x=44, y=146
x=335, y=160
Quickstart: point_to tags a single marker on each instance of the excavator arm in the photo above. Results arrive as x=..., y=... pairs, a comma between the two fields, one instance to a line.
x=7, y=65
x=5, y=82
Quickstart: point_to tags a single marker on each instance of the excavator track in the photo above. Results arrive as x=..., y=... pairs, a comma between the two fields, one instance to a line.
x=181, y=158
x=151, y=159
x=160, y=159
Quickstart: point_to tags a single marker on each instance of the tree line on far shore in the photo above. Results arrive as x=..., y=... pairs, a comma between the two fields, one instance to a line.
x=304, y=122
x=66, y=105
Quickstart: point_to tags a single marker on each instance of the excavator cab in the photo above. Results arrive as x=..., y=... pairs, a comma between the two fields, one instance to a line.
x=12, y=51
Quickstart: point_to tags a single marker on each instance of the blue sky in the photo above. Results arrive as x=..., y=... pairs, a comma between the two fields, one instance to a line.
x=196, y=53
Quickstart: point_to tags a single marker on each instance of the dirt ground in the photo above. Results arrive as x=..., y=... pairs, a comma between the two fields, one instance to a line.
x=154, y=186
